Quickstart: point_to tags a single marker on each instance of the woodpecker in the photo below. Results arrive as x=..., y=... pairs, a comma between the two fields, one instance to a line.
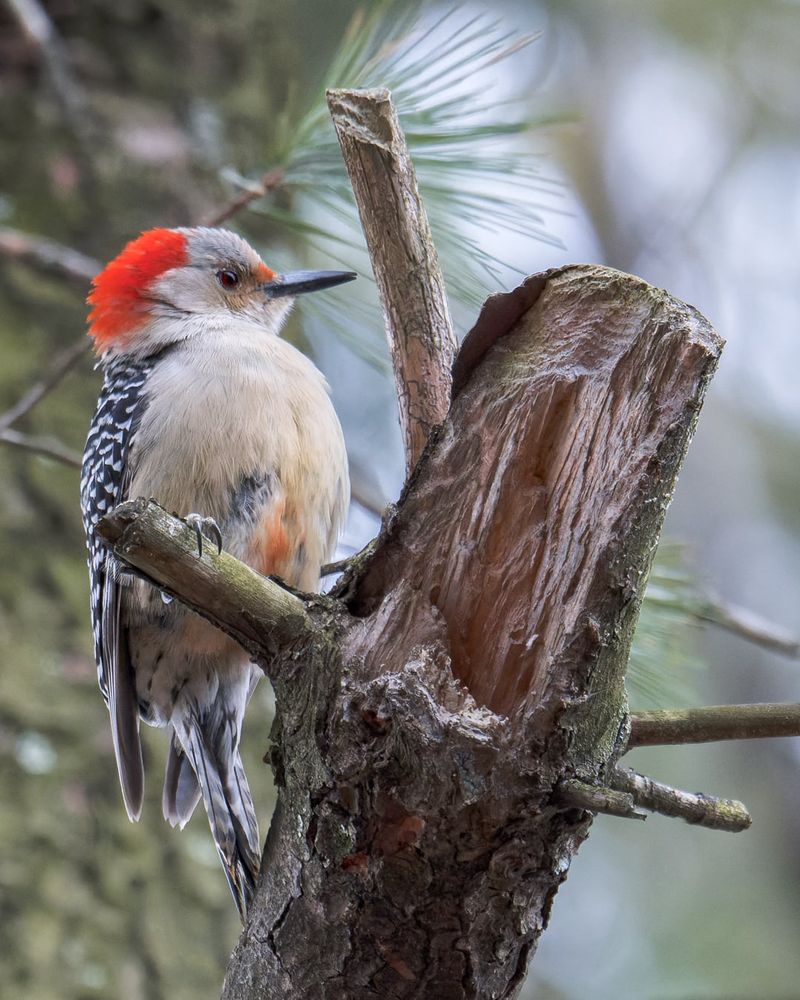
x=206, y=409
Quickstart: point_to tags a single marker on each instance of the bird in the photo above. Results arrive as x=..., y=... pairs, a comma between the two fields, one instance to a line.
x=206, y=409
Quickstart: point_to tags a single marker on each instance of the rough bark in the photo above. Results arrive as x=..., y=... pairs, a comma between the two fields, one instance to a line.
x=471, y=668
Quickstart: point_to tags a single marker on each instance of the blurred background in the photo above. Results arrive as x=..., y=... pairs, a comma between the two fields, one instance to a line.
x=658, y=138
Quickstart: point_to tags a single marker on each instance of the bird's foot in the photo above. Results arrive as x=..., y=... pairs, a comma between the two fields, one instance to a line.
x=205, y=526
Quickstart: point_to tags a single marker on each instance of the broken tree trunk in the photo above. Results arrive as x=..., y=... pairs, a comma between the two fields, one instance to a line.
x=437, y=714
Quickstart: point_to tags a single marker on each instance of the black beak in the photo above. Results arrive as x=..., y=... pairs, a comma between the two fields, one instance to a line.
x=299, y=282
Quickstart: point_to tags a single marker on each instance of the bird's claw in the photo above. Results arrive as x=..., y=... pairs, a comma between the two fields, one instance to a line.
x=205, y=526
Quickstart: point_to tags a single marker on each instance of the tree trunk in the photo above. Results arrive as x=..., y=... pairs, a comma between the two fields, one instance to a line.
x=476, y=659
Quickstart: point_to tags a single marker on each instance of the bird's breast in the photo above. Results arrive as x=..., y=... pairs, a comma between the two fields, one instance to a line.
x=243, y=430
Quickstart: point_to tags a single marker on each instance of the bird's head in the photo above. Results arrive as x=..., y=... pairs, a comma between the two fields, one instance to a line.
x=143, y=300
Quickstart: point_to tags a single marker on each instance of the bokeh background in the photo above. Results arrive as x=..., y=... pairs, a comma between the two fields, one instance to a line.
x=663, y=140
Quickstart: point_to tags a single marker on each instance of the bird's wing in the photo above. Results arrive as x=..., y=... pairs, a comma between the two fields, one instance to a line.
x=105, y=478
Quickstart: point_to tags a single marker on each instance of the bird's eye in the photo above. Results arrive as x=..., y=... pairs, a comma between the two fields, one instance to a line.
x=228, y=279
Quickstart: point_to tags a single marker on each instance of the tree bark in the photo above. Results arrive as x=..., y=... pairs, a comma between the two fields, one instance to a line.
x=470, y=669
x=486, y=660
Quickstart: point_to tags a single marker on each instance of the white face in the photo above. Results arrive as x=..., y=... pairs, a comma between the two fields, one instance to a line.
x=224, y=279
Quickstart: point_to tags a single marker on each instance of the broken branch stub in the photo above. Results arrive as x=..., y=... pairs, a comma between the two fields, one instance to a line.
x=403, y=256
x=523, y=544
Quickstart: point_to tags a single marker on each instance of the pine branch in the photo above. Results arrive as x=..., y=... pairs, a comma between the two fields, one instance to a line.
x=714, y=723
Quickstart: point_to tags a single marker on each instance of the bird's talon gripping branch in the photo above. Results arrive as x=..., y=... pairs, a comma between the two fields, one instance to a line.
x=205, y=526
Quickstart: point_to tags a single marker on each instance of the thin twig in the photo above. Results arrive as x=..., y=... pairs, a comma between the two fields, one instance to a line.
x=48, y=254
x=61, y=366
x=403, y=257
x=574, y=794
x=65, y=262
x=47, y=447
x=674, y=727
x=39, y=30
x=749, y=625
x=695, y=808
x=271, y=180
x=338, y=566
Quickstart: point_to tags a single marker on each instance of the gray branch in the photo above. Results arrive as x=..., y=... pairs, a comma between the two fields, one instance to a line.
x=695, y=808
x=403, y=256
x=712, y=724
x=49, y=255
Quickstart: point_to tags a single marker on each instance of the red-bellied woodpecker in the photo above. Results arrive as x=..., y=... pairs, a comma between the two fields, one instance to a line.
x=205, y=409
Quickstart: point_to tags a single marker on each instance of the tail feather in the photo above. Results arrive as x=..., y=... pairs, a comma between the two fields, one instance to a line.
x=229, y=805
x=122, y=704
x=181, y=789
x=243, y=812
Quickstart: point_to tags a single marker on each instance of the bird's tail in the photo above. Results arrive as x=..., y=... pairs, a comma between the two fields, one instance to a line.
x=213, y=753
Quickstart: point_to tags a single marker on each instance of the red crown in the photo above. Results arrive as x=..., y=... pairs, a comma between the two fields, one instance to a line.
x=118, y=306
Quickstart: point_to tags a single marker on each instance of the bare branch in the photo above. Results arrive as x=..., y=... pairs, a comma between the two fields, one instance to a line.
x=403, y=256
x=674, y=727
x=254, y=610
x=64, y=362
x=269, y=182
x=698, y=809
x=40, y=32
x=48, y=254
x=750, y=625
x=577, y=794
x=47, y=447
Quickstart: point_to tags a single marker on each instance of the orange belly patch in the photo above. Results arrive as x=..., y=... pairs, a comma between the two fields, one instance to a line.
x=276, y=542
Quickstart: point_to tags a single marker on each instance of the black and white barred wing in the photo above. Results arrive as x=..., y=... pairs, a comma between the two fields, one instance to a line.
x=105, y=477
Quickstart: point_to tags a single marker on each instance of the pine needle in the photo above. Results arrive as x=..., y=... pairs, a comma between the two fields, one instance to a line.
x=475, y=172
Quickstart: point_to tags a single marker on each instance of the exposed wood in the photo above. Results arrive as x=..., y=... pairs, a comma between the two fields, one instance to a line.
x=525, y=539
x=422, y=834
x=404, y=259
x=712, y=724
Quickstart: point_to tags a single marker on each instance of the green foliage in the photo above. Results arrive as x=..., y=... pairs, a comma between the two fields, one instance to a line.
x=664, y=666
x=475, y=172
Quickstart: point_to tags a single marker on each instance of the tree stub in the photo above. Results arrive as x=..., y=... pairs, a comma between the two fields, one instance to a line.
x=474, y=659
